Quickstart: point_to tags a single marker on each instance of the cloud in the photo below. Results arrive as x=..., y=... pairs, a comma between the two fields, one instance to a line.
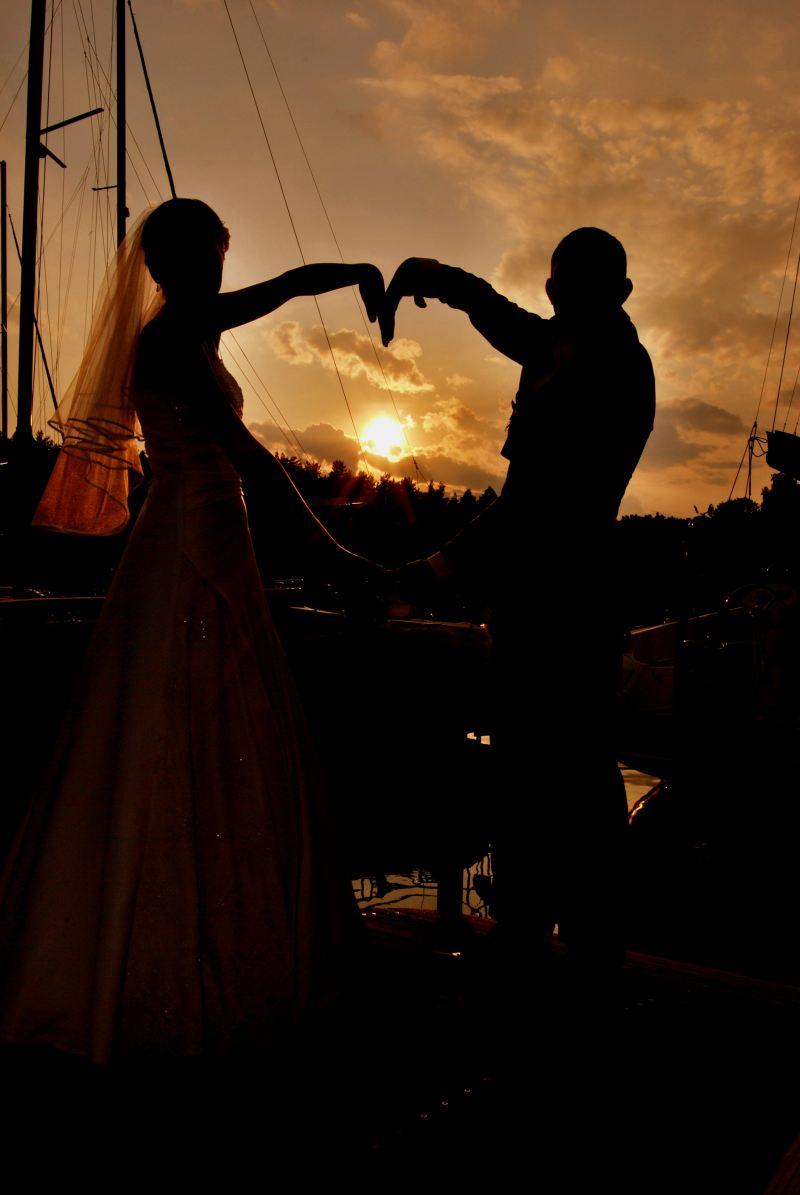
x=674, y=440
x=355, y=355
x=321, y=441
x=457, y=379
x=694, y=414
x=326, y=443
x=622, y=126
x=358, y=20
x=559, y=69
x=439, y=32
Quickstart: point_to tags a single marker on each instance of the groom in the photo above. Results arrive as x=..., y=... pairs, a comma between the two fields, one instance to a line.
x=580, y=420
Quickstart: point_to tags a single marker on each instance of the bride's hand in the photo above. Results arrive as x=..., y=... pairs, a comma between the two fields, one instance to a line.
x=356, y=572
x=415, y=276
x=372, y=289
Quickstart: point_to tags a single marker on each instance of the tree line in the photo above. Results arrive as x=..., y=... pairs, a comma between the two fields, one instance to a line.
x=662, y=565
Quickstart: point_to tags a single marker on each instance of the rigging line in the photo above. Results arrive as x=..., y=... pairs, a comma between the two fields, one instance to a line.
x=71, y=199
x=98, y=143
x=267, y=391
x=110, y=109
x=14, y=67
x=323, y=205
x=294, y=229
x=281, y=417
x=73, y=253
x=91, y=207
x=173, y=192
x=57, y=358
x=780, y=303
x=42, y=260
x=265, y=388
x=103, y=199
x=25, y=47
x=98, y=227
x=35, y=322
x=786, y=342
x=791, y=396
x=24, y=77
x=747, y=449
x=13, y=102
x=111, y=94
x=92, y=96
x=237, y=363
x=111, y=210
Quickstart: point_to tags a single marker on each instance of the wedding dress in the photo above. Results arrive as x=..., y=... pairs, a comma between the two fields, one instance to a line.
x=173, y=890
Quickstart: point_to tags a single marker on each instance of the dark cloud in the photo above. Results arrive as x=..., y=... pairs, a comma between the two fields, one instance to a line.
x=677, y=424
x=695, y=414
x=321, y=441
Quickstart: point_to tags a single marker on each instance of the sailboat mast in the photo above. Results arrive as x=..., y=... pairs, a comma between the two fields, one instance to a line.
x=122, y=210
x=30, y=211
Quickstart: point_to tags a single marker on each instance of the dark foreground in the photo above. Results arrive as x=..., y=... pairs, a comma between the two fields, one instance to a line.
x=436, y=1069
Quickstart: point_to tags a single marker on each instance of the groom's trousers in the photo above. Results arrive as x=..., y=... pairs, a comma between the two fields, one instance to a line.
x=561, y=811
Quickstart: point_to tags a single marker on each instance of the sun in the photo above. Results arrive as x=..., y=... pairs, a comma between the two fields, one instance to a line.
x=383, y=435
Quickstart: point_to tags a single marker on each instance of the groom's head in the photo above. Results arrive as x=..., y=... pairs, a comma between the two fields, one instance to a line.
x=588, y=272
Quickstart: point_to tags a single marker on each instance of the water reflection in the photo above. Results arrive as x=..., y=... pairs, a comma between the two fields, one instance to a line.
x=417, y=889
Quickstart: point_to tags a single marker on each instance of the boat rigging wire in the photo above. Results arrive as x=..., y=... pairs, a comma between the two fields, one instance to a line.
x=14, y=67
x=293, y=226
x=281, y=417
x=786, y=342
x=324, y=207
x=59, y=321
x=43, y=284
x=755, y=442
x=109, y=95
x=35, y=320
x=24, y=77
x=173, y=192
x=78, y=190
x=13, y=102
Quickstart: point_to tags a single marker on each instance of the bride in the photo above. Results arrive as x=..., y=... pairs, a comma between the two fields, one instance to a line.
x=173, y=890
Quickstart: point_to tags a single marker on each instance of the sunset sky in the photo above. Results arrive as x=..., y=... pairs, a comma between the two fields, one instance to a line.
x=478, y=132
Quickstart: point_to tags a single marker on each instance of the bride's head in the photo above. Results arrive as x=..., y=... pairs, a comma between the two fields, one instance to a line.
x=184, y=243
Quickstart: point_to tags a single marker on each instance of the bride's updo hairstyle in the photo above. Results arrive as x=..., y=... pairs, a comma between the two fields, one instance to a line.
x=184, y=242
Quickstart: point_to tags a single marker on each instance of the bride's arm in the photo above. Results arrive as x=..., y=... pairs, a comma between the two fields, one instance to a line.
x=188, y=362
x=236, y=307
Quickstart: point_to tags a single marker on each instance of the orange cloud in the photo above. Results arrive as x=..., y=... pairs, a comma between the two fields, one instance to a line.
x=355, y=355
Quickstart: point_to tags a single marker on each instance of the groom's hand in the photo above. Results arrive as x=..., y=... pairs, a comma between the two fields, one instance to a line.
x=415, y=581
x=414, y=277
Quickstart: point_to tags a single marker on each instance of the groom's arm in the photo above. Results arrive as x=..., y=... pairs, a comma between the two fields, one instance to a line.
x=509, y=328
x=483, y=545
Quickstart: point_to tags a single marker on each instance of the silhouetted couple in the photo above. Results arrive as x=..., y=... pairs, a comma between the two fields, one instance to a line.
x=174, y=889
x=579, y=422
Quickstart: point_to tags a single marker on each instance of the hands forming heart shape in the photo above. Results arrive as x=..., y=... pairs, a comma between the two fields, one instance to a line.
x=416, y=276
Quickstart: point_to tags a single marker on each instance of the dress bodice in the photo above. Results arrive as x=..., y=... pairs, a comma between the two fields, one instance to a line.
x=180, y=446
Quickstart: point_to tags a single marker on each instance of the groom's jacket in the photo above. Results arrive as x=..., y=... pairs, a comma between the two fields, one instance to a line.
x=580, y=420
